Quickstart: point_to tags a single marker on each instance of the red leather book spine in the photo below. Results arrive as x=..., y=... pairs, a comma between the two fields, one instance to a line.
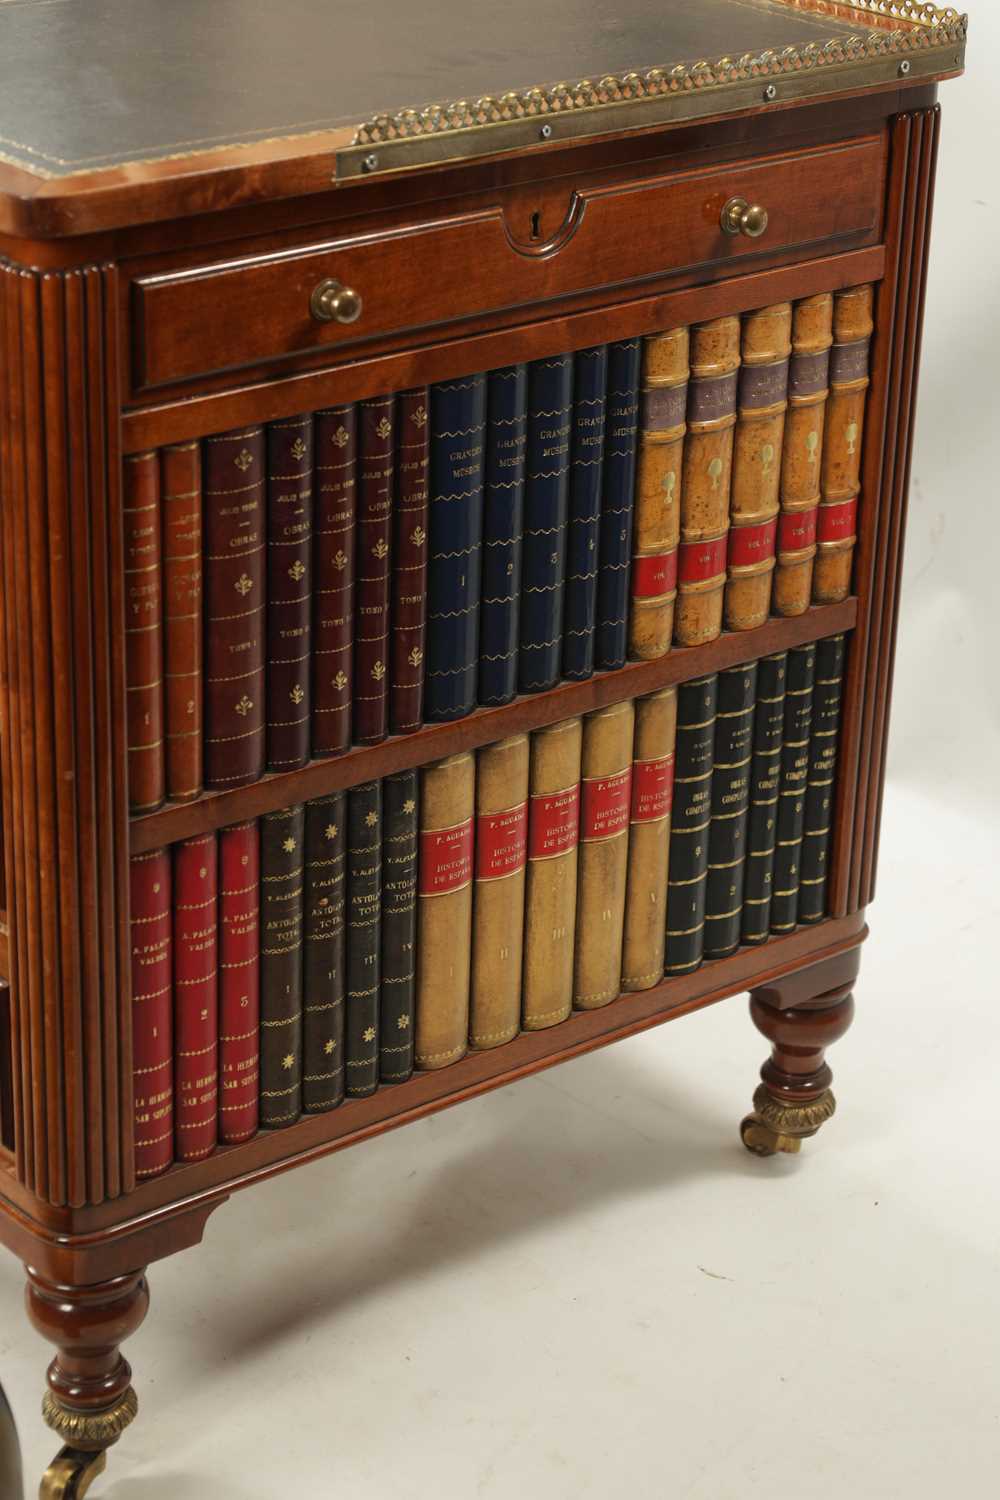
x=289, y=591
x=239, y=981
x=196, y=1000
x=371, y=610
x=152, y=1011
x=180, y=479
x=233, y=470
x=409, y=563
x=336, y=452
x=143, y=631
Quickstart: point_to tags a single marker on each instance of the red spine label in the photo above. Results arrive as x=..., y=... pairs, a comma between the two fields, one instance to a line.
x=837, y=522
x=501, y=842
x=554, y=825
x=196, y=1015
x=652, y=789
x=239, y=981
x=445, y=859
x=152, y=1012
x=796, y=530
x=605, y=802
x=752, y=544
x=699, y=561
x=655, y=576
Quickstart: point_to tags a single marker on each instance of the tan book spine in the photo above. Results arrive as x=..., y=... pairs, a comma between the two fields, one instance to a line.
x=498, y=897
x=760, y=427
x=706, y=480
x=605, y=802
x=444, y=911
x=836, y=527
x=550, y=885
x=663, y=424
x=649, y=840
x=801, y=454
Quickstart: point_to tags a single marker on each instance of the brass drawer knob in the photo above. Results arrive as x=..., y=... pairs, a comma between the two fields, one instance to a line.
x=333, y=302
x=741, y=217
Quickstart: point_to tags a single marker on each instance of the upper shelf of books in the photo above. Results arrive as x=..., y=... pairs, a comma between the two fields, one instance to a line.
x=116, y=95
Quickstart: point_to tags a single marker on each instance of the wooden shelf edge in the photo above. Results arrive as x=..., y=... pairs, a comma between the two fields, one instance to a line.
x=215, y=810
x=196, y=1187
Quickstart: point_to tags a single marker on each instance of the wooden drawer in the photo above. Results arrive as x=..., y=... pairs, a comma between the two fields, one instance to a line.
x=191, y=322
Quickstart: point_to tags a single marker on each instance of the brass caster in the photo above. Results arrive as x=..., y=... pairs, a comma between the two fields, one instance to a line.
x=71, y=1473
x=763, y=1141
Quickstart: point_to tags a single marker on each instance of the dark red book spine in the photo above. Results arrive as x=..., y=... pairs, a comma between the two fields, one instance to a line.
x=409, y=563
x=336, y=452
x=196, y=998
x=371, y=605
x=143, y=630
x=239, y=981
x=180, y=475
x=234, y=520
x=152, y=1011
x=289, y=591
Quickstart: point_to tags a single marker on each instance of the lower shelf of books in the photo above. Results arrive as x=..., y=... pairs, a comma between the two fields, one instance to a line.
x=363, y=942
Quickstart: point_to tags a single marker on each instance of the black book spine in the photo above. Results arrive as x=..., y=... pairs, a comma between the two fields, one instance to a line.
x=792, y=793
x=727, y=837
x=690, y=820
x=281, y=906
x=503, y=521
x=617, y=501
x=824, y=733
x=454, y=563
x=765, y=783
x=546, y=505
x=325, y=953
x=590, y=377
x=399, y=926
x=364, y=923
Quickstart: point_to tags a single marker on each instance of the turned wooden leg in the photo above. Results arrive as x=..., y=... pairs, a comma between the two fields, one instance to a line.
x=90, y=1400
x=794, y=1099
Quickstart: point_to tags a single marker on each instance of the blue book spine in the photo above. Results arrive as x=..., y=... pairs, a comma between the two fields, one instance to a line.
x=455, y=526
x=503, y=518
x=546, y=502
x=620, y=443
x=590, y=374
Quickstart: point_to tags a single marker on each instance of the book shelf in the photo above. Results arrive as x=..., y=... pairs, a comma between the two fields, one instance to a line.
x=150, y=298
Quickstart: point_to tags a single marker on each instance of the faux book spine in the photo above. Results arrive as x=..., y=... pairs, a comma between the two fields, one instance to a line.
x=546, y=508
x=152, y=1011
x=364, y=927
x=324, y=940
x=696, y=704
x=335, y=437
x=727, y=836
x=143, y=579
x=196, y=996
x=281, y=877
x=444, y=914
x=649, y=839
x=376, y=446
x=590, y=374
x=399, y=926
x=289, y=591
x=458, y=443
x=823, y=736
x=792, y=793
x=501, y=853
x=239, y=981
x=180, y=480
x=621, y=435
x=551, y=884
x=605, y=804
x=409, y=562
x=801, y=454
x=836, y=524
x=503, y=522
x=666, y=367
x=235, y=602
x=765, y=784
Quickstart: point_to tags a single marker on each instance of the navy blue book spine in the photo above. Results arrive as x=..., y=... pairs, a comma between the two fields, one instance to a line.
x=503, y=519
x=454, y=562
x=583, y=536
x=546, y=508
x=617, y=499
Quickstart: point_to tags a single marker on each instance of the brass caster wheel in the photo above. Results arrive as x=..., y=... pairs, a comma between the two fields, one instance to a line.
x=762, y=1141
x=71, y=1473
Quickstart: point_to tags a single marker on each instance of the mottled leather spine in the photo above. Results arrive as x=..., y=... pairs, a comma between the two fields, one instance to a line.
x=551, y=882
x=498, y=899
x=801, y=454
x=663, y=423
x=444, y=910
x=605, y=805
x=836, y=520
x=649, y=839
